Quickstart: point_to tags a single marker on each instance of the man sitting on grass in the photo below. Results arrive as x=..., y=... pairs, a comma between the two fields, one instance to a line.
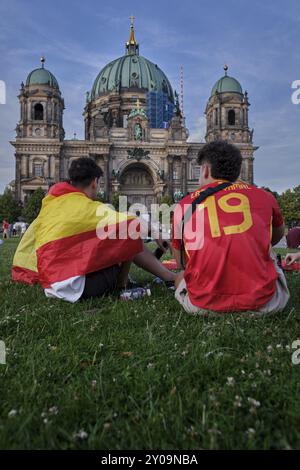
x=79, y=248
x=226, y=248
x=293, y=238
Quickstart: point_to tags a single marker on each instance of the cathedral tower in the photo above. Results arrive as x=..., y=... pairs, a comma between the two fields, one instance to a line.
x=39, y=132
x=41, y=106
x=227, y=119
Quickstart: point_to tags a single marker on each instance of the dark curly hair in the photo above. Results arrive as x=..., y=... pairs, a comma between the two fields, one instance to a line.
x=83, y=171
x=224, y=159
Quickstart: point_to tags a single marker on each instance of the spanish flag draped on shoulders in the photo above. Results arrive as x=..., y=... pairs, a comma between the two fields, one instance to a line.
x=72, y=236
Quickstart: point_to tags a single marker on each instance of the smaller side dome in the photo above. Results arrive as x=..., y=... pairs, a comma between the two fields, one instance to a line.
x=41, y=76
x=227, y=84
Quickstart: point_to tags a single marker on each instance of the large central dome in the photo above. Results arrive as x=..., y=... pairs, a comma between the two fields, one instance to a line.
x=130, y=72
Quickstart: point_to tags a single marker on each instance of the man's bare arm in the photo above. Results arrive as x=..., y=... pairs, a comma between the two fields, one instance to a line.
x=177, y=256
x=277, y=234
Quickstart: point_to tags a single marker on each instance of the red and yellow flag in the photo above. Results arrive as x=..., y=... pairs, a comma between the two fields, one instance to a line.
x=62, y=242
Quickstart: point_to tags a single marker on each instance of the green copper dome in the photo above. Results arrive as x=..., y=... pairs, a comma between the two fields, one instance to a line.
x=227, y=85
x=129, y=72
x=42, y=76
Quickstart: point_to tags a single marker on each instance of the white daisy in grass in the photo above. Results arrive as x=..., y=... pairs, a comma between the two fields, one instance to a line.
x=254, y=402
x=80, y=435
x=12, y=413
x=53, y=410
x=231, y=381
x=237, y=402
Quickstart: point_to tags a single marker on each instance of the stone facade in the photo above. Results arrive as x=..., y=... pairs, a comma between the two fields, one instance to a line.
x=141, y=162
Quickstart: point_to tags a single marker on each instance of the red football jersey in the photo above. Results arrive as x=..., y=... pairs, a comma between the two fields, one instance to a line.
x=227, y=247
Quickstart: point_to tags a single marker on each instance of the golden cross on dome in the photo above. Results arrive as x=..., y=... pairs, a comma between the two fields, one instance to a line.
x=132, y=46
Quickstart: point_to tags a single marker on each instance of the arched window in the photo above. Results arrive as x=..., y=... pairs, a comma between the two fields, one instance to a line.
x=231, y=117
x=38, y=112
x=38, y=169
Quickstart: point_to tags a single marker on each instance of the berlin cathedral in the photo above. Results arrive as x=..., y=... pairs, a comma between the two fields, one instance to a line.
x=134, y=129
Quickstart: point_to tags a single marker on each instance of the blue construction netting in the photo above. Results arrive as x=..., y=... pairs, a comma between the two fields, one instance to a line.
x=159, y=109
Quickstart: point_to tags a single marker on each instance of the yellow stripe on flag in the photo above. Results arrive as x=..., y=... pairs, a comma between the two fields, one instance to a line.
x=56, y=211
x=25, y=256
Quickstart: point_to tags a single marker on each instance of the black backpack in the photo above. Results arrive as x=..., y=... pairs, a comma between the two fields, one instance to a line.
x=205, y=194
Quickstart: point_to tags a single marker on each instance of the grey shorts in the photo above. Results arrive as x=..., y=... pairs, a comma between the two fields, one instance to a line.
x=276, y=304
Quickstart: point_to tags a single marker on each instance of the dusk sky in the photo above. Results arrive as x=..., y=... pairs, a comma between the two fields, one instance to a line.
x=258, y=40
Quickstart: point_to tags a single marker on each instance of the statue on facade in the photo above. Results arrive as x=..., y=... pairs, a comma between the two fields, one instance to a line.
x=161, y=174
x=138, y=132
x=138, y=154
x=116, y=174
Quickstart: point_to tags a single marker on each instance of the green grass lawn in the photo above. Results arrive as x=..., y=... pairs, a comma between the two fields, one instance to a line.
x=107, y=374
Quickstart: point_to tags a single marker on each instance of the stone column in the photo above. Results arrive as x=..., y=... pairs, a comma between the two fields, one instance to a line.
x=106, y=175
x=223, y=122
x=29, y=116
x=170, y=175
x=86, y=128
x=250, y=170
x=183, y=175
x=57, y=169
x=49, y=166
x=18, y=177
x=22, y=110
x=52, y=166
x=22, y=166
x=27, y=166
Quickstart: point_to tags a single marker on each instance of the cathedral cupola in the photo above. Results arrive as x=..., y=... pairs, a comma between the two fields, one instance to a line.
x=41, y=76
x=41, y=106
x=119, y=85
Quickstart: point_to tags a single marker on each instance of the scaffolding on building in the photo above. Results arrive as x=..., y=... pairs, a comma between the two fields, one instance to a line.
x=159, y=109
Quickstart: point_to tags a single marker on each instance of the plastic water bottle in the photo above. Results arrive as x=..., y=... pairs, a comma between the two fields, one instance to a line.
x=135, y=294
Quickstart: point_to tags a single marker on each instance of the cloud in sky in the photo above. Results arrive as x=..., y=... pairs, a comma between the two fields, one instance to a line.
x=258, y=40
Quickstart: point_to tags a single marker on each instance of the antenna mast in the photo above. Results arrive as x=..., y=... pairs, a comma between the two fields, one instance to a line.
x=181, y=90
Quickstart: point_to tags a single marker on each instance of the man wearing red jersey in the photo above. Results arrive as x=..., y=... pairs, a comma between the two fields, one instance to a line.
x=226, y=248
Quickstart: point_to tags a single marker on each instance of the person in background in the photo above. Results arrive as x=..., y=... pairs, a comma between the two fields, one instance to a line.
x=10, y=230
x=5, y=227
x=293, y=238
x=24, y=227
